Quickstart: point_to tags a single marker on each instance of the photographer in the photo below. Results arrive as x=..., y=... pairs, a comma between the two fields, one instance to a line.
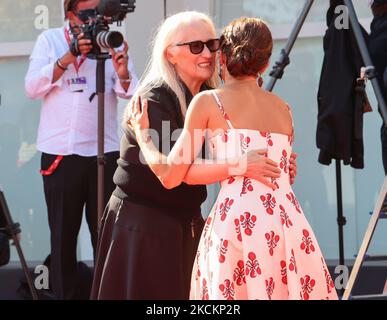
x=67, y=135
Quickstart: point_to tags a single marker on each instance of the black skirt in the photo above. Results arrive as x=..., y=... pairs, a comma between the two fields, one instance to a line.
x=144, y=254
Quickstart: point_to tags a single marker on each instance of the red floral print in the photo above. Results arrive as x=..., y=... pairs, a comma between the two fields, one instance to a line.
x=268, y=138
x=284, y=161
x=307, y=242
x=231, y=180
x=205, y=290
x=270, y=287
x=246, y=186
x=268, y=202
x=254, y=244
x=307, y=285
x=252, y=265
x=285, y=220
x=245, y=141
x=274, y=181
x=283, y=272
x=239, y=274
x=272, y=240
x=207, y=226
x=292, y=198
x=223, y=250
x=225, y=207
x=292, y=264
x=238, y=229
x=248, y=222
x=328, y=278
x=227, y=289
x=225, y=136
x=198, y=274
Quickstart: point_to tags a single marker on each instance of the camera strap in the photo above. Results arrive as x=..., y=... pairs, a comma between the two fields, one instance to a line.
x=77, y=65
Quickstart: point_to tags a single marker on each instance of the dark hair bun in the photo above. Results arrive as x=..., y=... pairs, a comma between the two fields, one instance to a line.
x=247, y=44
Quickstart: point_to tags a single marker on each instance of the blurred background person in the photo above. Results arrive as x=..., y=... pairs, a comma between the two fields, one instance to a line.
x=67, y=135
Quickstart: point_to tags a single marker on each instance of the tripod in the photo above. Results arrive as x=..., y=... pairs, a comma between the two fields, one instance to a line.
x=370, y=73
x=13, y=230
x=100, y=85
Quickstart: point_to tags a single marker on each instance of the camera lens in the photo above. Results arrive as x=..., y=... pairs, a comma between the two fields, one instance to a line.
x=109, y=39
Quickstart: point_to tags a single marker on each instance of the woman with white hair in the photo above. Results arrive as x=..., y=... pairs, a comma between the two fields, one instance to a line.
x=150, y=232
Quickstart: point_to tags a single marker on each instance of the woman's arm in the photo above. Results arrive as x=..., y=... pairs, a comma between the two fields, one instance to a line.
x=178, y=166
x=205, y=171
x=254, y=165
x=258, y=167
x=172, y=169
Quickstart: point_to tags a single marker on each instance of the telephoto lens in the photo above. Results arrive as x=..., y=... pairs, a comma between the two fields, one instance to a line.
x=109, y=39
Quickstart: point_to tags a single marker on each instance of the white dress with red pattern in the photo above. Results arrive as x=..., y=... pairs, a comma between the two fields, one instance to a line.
x=257, y=243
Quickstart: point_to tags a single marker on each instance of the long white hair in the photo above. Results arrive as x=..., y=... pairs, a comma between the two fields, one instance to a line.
x=159, y=70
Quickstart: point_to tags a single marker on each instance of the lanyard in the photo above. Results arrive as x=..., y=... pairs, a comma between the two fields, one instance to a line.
x=77, y=65
x=52, y=167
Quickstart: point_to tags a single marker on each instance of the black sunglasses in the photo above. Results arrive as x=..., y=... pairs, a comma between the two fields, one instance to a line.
x=197, y=47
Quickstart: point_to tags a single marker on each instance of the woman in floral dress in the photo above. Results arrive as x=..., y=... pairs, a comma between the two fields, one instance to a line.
x=257, y=243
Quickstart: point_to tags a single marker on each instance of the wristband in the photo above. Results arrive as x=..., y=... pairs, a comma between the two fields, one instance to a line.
x=61, y=66
x=126, y=80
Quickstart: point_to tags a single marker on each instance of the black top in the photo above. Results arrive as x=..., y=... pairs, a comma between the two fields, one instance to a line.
x=339, y=132
x=136, y=182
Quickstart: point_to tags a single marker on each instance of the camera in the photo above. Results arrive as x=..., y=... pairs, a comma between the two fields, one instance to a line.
x=95, y=26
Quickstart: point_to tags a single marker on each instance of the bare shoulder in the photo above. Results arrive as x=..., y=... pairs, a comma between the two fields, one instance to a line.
x=204, y=96
x=280, y=109
x=198, y=111
x=201, y=102
x=278, y=102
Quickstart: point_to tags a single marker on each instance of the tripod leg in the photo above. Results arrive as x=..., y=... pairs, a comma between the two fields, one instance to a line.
x=9, y=222
x=101, y=136
x=341, y=221
x=25, y=267
x=292, y=39
x=366, y=241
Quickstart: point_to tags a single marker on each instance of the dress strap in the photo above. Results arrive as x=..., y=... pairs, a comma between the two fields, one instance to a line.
x=221, y=108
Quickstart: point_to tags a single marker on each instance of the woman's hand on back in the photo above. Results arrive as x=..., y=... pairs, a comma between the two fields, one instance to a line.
x=261, y=168
x=138, y=114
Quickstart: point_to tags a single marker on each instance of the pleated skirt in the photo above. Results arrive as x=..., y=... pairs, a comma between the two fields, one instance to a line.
x=144, y=253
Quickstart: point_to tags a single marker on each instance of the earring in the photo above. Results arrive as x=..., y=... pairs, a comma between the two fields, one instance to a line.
x=220, y=74
x=260, y=80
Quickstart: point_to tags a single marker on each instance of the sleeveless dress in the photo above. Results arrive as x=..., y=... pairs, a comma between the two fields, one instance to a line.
x=257, y=242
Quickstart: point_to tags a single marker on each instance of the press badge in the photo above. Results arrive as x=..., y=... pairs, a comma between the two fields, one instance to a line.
x=77, y=84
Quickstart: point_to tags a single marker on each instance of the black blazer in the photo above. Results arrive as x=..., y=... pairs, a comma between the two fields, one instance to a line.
x=134, y=179
x=340, y=113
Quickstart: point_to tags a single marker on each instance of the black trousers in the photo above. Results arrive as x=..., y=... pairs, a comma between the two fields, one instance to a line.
x=71, y=188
